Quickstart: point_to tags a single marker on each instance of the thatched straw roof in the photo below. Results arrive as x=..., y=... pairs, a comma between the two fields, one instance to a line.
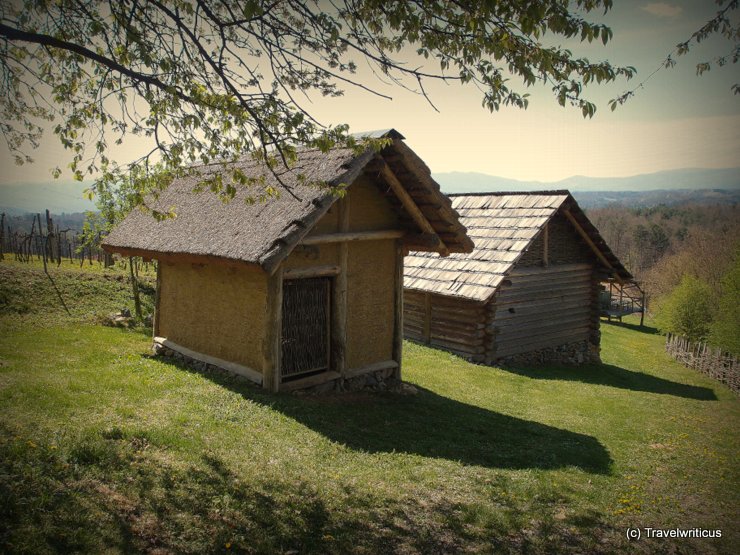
x=264, y=233
x=502, y=226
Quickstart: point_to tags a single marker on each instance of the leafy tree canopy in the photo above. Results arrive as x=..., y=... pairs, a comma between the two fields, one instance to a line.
x=725, y=330
x=212, y=80
x=687, y=310
x=721, y=24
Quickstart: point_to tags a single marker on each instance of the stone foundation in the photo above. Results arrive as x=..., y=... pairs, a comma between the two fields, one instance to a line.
x=570, y=354
x=379, y=380
x=197, y=365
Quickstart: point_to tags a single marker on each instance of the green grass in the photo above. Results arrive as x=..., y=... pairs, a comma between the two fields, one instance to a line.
x=30, y=297
x=103, y=448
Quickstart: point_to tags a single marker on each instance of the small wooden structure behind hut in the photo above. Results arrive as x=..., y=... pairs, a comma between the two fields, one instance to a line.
x=302, y=289
x=529, y=292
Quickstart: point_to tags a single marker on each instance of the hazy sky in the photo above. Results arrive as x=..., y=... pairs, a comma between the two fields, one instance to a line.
x=677, y=120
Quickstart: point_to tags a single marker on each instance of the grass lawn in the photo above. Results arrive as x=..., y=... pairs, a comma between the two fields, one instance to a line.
x=103, y=448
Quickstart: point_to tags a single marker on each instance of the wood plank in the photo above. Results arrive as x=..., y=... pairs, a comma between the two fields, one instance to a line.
x=581, y=333
x=554, y=287
x=312, y=271
x=459, y=325
x=554, y=268
x=455, y=302
x=183, y=258
x=413, y=293
x=510, y=296
x=410, y=334
x=535, y=329
x=397, y=352
x=547, y=343
x=157, y=298
x=585, y=236
x=427, y=319
x=384, y=365
x=458, y=347
x=410, y=206
x=271, y=349
x=537, y=308
x=233, y=367
x=501, y=324
x=339, y=296
x=540, y=279
x=343, y=237
x=581, y=275
x=553, y=339
x=460, y=320
x=310, y=381
x=515, y=302
x=545, y=244
x=452, y=309
x=461, y=339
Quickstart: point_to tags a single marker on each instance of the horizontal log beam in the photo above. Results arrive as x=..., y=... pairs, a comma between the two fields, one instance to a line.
x=233, y=367
x=547, y=335
x=353, y=236
x=385, y=365
x=312, y=271
x=551, y=269
x=310, y=381
x=183, y=258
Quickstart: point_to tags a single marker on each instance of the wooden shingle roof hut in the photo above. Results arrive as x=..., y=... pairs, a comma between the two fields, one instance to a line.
x=527, y=293
x=299, y=290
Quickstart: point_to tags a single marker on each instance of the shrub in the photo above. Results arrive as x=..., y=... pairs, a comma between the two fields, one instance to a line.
x=687, y=310
x=725, y=329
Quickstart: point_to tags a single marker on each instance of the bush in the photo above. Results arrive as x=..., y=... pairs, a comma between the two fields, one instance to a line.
x=687, y=310
x=725, y=330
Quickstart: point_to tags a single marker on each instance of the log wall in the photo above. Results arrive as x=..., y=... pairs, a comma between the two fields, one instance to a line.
x=547, y=307
x=454, y=324
x=541, y=307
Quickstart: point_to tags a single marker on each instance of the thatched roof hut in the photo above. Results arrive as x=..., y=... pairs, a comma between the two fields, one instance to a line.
x=302, y=289
x=529, y=290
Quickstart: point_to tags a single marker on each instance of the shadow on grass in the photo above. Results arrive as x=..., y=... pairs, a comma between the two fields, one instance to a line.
x=431, y=425
x=615, y=376
x=130, y=500
x=634, y=327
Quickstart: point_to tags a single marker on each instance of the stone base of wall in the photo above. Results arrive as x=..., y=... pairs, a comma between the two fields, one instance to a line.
x=570, y=354
x=197, y=365
x=379, y=380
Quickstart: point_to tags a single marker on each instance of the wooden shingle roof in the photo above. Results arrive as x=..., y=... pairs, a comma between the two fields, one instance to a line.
x=264, y=233
x=502, y=226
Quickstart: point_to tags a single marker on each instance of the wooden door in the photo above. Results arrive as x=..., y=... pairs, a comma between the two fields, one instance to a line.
x=306, y=334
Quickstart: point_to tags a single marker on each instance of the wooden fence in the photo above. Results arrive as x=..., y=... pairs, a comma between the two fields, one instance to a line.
x=45, y=241
x=709, y=360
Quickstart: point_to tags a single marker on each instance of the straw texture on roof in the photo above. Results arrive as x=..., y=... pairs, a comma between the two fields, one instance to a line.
x=502, y=226
x=264, y=233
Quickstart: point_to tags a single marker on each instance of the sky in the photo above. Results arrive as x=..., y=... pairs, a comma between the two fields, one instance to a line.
x=676, y=120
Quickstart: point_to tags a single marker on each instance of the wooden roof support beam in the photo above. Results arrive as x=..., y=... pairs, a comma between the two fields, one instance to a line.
x=410, y=206
x=353, y=236
x=591, y=244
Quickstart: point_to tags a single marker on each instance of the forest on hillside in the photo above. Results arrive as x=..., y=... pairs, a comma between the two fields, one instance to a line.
x=686, y=259
x=659, y=244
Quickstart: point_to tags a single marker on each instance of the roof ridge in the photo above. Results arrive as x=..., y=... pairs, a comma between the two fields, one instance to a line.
x=504, y=193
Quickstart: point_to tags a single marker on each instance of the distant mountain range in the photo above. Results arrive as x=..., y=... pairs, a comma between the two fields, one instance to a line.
x=59, y=197
x=689, y=178
x=706, y=186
